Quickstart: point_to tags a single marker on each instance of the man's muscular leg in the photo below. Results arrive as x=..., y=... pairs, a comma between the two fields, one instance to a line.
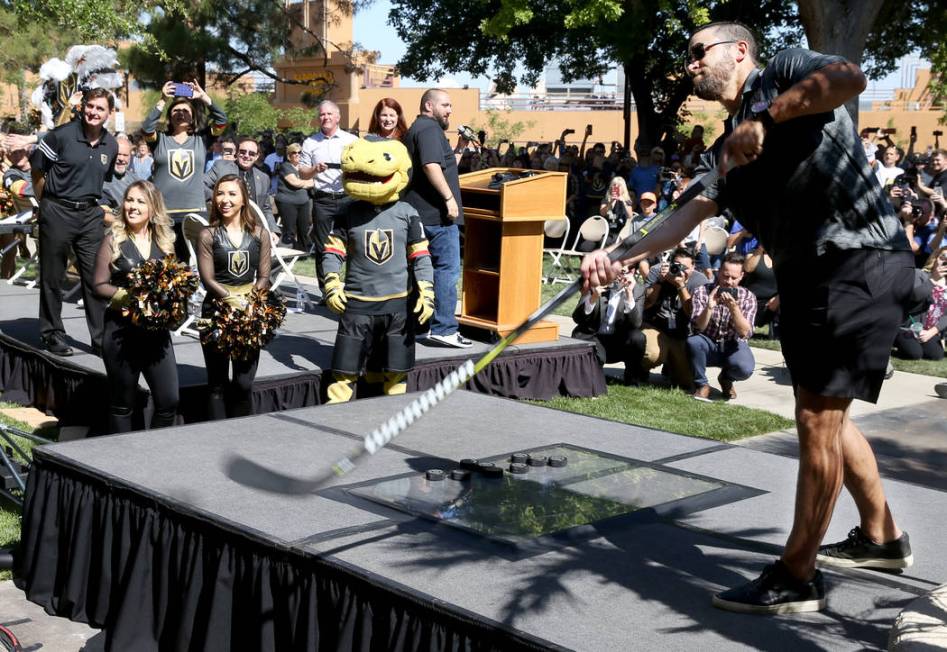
x=832, y=449
x=820, y=421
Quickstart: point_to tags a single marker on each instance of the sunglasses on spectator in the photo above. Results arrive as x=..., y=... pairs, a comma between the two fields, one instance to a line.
x=698, y=51
x=246, y=152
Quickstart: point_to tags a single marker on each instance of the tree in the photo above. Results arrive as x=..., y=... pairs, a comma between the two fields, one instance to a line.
x=26, y=46
x=644, y=37
x=875, y=33
x=647, y=38
x=182, y=39
x=499, y=127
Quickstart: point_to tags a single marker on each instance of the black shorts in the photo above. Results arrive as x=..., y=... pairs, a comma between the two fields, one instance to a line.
x=838, y=319
x=379, y=342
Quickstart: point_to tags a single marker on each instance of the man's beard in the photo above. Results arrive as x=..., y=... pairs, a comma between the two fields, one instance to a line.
x=714, y=80
x=443, y=121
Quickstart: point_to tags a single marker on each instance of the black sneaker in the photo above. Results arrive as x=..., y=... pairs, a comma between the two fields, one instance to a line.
x=55, y=345
x=775, y=591
x=858, y=551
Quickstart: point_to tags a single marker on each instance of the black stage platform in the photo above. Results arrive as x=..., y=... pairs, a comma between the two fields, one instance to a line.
x=161, y=537
x=290, y=370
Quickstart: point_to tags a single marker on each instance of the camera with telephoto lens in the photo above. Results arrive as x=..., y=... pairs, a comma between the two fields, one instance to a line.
x=676, y=269
x=467, y=132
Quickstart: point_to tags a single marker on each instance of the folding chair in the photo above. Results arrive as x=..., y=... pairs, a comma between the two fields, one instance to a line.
x=285, y=271
x=557, y=230
x=593, y=229
x=191, y=228
x=23, y=223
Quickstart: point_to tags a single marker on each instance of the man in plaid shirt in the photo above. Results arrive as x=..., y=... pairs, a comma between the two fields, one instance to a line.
x=722, y=320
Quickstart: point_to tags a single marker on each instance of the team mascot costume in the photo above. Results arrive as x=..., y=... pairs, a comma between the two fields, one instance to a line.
x=85, y=67
x=382, y=242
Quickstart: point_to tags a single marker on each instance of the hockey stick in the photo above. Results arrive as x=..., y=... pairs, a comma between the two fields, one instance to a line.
x=248, y=472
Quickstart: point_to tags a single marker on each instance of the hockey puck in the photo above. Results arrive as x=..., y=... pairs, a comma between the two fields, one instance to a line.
x=484, y=466
x=558, y=460
x=492, y=472
x=539, y=460
x=435, y=475
x=469, y=464
x=460, y=475
x=519, y=458
x=518, y=468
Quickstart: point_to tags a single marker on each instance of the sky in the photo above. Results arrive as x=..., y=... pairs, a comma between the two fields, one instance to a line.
x=372, y=32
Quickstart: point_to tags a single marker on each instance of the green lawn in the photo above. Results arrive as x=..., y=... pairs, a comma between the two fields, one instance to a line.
x=924, y=367
x=9, y=514
x=673, y=411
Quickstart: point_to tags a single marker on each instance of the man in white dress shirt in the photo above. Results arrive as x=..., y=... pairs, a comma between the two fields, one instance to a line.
x=321, y=160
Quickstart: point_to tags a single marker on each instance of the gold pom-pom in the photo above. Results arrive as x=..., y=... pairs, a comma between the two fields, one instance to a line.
x=241, y=333
x=158, y=291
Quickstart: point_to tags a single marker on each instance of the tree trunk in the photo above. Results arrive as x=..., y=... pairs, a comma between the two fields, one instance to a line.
x=626, y=108
x=649, y=121
x=840, y=27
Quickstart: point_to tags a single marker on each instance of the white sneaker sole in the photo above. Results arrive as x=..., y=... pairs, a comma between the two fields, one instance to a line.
x=784, y=608
x=871, y=562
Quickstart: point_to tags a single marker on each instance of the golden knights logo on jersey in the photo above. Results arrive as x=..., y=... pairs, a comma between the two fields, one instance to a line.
x=238, y=262
x=379, y=245
x=181, y=163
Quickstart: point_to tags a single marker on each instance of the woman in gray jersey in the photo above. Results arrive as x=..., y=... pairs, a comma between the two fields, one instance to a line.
x=181, y=151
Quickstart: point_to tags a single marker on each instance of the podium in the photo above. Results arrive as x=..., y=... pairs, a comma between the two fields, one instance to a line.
x=503, y=248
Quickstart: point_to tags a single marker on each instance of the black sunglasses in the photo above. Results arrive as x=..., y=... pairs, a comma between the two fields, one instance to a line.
x=699, y=50
x=246, y=152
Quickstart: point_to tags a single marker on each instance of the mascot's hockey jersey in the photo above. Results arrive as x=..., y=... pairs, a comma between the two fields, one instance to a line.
x=382, y=243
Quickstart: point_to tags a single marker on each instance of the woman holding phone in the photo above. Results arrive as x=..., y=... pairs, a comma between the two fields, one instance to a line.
x=180, y=152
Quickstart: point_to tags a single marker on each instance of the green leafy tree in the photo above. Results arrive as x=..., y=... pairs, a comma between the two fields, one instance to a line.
x=26, y=46
x=250, y=113
x=646, y=37
x=499, y=126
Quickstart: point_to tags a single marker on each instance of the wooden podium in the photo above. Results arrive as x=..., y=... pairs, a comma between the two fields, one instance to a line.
x=503, y=248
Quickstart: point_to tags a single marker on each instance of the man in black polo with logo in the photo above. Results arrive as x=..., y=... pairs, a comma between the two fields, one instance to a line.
x=69, y=167
x=797, y=177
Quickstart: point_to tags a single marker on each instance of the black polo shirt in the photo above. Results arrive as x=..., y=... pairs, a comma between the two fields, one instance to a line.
x=75, y=170
x=427, y=143
x=811, y=191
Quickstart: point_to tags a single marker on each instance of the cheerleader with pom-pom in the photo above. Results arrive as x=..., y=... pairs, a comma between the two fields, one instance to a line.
x=129, y=350
x=233, y=260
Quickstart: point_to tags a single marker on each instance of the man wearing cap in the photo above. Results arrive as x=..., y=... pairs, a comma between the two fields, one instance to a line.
x=69, y=168
x=644, y=176
x=321, y=161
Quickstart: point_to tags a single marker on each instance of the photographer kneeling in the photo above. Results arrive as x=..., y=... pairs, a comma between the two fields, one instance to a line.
x=667, y=311
x=611, y=318
x=722, y=318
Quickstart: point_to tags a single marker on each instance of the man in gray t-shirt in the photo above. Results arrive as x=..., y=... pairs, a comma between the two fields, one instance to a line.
x=797, y=177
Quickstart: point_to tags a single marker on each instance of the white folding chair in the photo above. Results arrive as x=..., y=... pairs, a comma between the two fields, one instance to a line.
x=557, y=230
x=23, y=222
x=281, y=254
x=595, y=230
x=191, y=228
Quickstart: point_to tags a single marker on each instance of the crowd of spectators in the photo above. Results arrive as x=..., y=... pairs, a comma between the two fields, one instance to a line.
x=689, y=320
x=606, y=180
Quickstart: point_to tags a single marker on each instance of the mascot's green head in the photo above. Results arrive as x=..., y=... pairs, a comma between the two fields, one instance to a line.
x=375, y=170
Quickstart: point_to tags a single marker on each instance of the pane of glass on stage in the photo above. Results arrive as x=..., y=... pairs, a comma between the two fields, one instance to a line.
x=548, y=501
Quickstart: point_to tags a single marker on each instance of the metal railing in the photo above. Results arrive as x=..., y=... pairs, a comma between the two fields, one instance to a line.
x=553, y=102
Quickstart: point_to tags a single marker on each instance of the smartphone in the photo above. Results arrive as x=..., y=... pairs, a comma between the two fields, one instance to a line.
x=872, y=130
x=889, y=131
x=183, y=90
